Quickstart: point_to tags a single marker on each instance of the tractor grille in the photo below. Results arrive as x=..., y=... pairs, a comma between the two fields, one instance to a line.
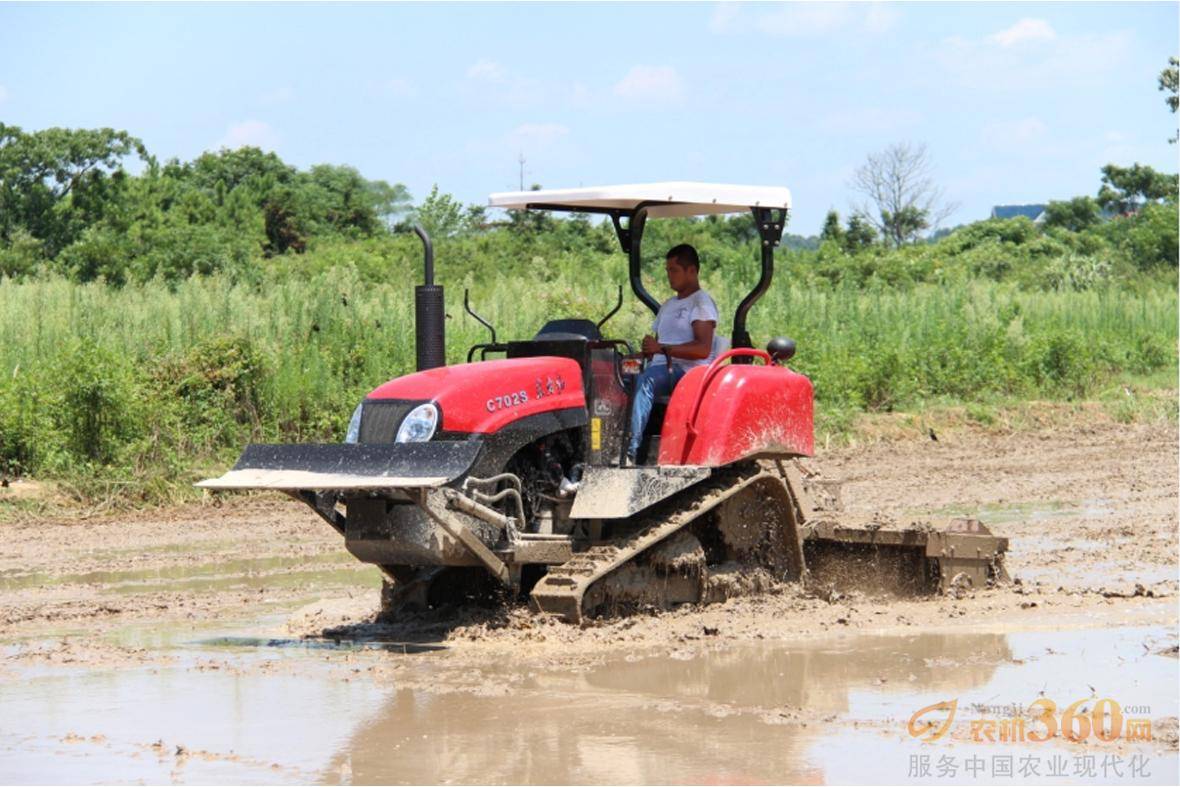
x=380, y=419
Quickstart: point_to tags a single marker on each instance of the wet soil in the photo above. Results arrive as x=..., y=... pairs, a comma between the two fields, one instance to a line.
x=234, y=641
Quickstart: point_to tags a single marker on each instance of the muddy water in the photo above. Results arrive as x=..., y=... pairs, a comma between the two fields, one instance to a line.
x=105, y=678
x=220, y=706
x=249, y=573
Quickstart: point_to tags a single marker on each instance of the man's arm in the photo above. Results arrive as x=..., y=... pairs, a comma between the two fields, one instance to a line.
x=700, y=346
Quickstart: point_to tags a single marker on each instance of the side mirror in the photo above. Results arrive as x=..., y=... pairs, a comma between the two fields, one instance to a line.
x=781, y=348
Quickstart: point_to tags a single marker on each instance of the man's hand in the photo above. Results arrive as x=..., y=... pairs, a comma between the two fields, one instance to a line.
x=650, y=346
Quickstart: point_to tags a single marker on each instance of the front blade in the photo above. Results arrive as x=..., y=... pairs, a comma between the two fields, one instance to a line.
x=343, y=467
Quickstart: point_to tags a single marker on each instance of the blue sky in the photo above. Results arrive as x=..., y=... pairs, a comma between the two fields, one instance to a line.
x=1018, y=102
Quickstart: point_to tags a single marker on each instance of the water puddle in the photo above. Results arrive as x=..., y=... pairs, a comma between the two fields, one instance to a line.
x=280, y=710
x=319, y=644
x=1093, y=508
x=1101, y=574
x=338, y=568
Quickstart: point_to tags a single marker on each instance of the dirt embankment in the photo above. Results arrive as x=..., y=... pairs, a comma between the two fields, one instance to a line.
x=1091, y=513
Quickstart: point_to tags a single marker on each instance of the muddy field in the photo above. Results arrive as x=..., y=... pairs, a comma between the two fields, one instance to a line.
x=233, y=641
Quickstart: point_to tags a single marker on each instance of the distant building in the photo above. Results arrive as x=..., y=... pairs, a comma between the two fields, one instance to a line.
x=1034, y=212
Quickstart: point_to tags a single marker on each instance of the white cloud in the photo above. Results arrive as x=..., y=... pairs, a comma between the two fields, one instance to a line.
x=1015, y=134
x=806, y=19
x=803, y=20
x=486, y=71
x=491, y=82
x=650, y=83
x=281, y=95
x=1024, y=30
x=250, y=133
x=1065, y=60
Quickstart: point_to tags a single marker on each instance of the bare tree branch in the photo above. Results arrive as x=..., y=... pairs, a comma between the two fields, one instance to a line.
x=900, y=196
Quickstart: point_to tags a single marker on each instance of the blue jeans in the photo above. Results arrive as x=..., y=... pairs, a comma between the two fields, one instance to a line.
x=655, y=381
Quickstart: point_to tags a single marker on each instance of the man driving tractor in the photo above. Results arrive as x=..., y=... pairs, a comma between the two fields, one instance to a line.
x=683, y=338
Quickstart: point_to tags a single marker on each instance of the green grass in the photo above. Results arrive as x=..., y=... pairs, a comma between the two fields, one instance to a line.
x=146, y=386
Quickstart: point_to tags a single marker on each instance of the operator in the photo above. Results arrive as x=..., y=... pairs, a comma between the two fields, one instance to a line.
x=683, y=339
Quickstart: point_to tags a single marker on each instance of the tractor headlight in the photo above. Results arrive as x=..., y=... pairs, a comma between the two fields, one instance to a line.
x=353, y=435
x=419, y=425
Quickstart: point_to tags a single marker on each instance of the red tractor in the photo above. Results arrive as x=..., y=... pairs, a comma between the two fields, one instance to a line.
x=510, y=470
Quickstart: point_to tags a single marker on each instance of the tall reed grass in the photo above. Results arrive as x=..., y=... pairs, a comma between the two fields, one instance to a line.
x=151, y=379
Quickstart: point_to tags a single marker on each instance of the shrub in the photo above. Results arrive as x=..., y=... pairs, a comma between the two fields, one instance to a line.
x=99, y=410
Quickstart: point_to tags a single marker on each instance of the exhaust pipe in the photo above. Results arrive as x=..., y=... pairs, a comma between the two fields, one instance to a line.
x=429, y=313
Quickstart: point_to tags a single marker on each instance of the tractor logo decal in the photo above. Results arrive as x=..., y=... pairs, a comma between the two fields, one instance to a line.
x=550, y=386
x=514, y=399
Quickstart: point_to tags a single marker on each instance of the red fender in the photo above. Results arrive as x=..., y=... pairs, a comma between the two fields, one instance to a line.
x=719, y=413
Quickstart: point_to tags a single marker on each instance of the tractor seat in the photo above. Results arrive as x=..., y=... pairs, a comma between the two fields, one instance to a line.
x=570, y=329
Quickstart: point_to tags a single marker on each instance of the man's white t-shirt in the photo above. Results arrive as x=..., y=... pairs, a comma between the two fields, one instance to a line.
x=673, y=325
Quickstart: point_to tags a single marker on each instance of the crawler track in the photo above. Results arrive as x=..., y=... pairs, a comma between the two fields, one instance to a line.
x=766, y=520
x=563, y=590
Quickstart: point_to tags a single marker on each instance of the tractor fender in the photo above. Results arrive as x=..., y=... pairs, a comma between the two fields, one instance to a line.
x=719, y=414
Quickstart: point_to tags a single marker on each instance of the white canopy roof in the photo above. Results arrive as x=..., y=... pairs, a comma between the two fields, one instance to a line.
x=676, y=198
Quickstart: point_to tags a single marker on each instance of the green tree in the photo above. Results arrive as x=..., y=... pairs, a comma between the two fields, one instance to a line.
x=1075, y=215
x=348, y=202
x=860, y=235
x=529, y=223
x=1125, y=189
x=56, y=182
x=832, y=230
x=1169, y=83
x=475, y=219
x=904, y=225
x=441, y=215
x=225, y=170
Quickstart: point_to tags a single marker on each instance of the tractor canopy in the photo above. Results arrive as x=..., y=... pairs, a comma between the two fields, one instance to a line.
x=636, y=202
x=661, y=200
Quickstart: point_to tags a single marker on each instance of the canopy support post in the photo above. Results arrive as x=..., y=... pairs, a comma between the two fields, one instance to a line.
x=770, y=223
x=631, y=239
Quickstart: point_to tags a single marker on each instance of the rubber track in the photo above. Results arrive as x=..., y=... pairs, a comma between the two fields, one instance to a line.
x=562, y=589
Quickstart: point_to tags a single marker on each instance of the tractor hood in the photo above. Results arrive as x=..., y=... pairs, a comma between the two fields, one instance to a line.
x=486, y=396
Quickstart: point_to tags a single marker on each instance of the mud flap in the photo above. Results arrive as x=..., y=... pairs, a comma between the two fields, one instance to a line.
x=342, y=467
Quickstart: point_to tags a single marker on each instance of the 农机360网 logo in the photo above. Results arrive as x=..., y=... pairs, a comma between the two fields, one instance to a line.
x=1102, y=720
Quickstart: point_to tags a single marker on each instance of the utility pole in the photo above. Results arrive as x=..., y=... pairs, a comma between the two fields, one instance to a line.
x=520, y=160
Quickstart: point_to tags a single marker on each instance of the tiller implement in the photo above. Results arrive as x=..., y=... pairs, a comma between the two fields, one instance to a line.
x=509, y=471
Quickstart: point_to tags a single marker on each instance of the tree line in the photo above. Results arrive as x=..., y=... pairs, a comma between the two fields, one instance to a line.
x=69, y=202
x=95, y=204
